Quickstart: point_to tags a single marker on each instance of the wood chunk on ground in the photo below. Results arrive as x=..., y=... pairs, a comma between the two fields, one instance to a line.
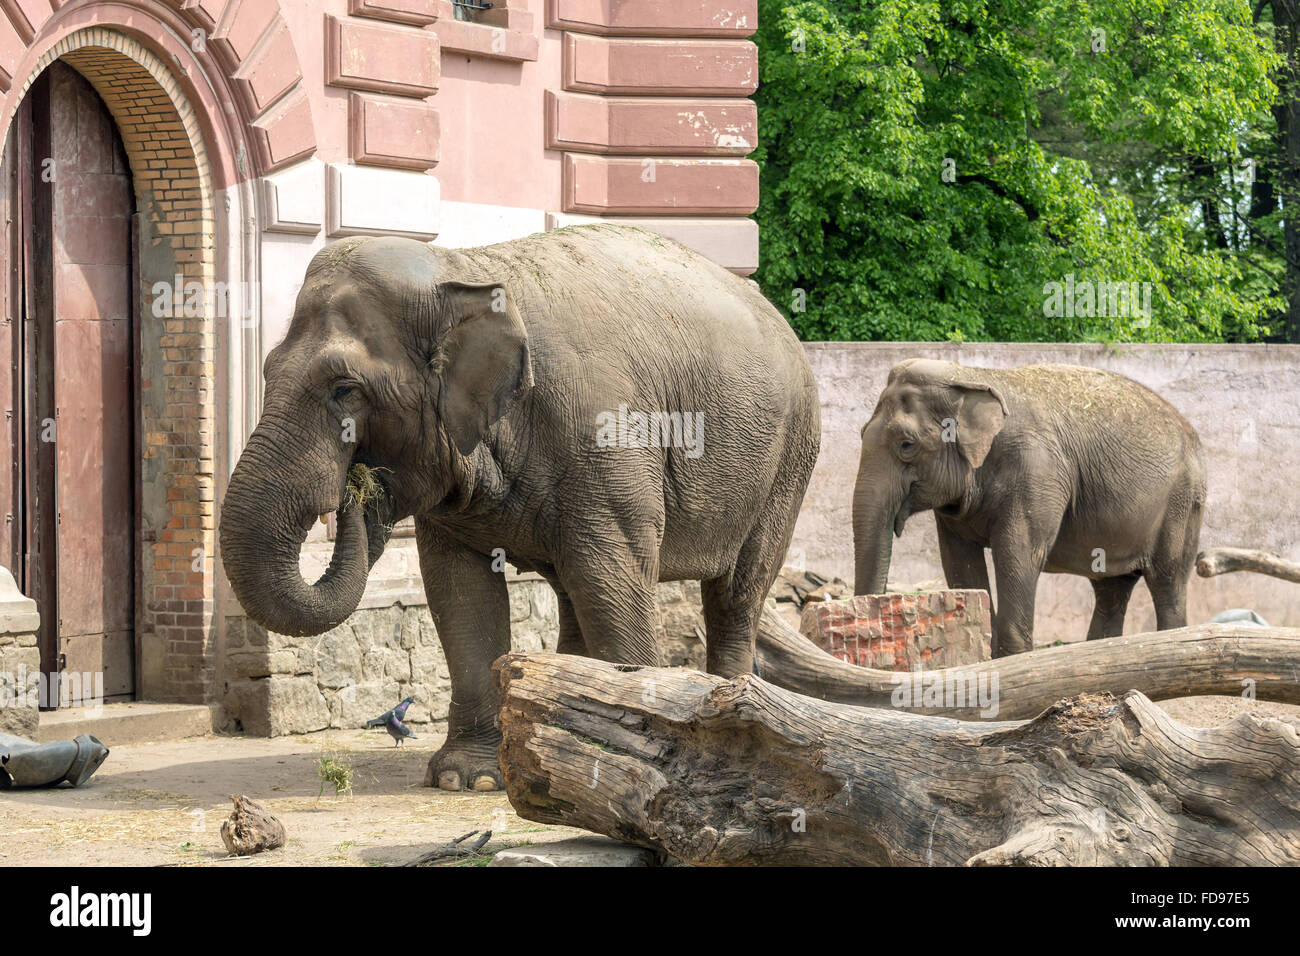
x=251, y=828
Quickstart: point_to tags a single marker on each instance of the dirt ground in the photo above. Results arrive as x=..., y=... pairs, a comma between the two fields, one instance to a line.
x=162, y=803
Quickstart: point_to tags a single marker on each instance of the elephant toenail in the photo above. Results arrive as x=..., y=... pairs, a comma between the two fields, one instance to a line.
x=484, y=782
x=449, y=780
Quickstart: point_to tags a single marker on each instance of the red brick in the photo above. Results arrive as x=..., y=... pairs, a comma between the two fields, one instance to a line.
x=903, y=632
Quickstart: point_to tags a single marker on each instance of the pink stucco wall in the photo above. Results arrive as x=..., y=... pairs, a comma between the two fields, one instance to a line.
x=329, y=105
x=494, y=129
x=490, y=85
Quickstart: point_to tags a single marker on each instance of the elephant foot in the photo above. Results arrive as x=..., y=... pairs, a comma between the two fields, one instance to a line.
x=465, y=765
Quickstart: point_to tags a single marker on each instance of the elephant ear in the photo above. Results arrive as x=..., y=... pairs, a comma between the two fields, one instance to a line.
x=981, y=413
x=482, y=360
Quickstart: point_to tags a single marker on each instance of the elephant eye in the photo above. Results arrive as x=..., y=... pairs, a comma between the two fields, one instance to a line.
x=341, y=392
x=906, y=446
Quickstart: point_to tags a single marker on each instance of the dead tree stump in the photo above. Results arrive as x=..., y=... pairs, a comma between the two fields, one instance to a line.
x=251, y=828
x=735, y=772
x=1204, y=659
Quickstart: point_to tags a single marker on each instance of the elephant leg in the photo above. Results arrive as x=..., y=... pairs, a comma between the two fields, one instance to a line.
x=733, y=603
x=612, y=594
x=730, y=624
x=1172, y=562
x=1013, y=627
x=471, y=610
x=571, y=640
x=619, y=626
x=1020, y=546
x=1169, y=594
x=963, y=561
x=1111, y=603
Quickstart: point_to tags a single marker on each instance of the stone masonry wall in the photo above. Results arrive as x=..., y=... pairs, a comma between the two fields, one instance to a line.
x=274, y=684
x=20, y=659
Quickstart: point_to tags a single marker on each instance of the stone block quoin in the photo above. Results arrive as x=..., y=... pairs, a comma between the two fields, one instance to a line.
x=653, y=118
x=255, y=48
x=506, y=32
x=388, y=55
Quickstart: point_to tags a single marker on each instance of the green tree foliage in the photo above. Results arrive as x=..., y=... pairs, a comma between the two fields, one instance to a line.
x=930, y=167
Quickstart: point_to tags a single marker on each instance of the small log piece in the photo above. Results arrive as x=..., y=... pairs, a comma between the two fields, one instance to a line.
x=251, y=828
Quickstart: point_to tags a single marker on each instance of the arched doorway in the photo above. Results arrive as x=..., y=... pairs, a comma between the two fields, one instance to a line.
x=70, y=356
x=207, y=100
x=70, y=551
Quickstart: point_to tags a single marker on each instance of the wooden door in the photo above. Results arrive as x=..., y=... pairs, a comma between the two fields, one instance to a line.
x=75, y=362
x=11, y=366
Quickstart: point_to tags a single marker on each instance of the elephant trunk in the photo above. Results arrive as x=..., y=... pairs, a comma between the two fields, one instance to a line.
x=263, y=525
x=877, y=502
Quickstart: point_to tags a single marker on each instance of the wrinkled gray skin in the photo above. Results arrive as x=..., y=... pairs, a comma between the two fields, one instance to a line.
x=1049, y=463
x=485, y=422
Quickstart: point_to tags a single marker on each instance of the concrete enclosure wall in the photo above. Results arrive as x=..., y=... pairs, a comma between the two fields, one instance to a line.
x=1243, y=401
x=389, y=649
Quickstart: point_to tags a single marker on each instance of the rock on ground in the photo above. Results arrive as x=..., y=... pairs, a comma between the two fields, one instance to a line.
x=580, y=851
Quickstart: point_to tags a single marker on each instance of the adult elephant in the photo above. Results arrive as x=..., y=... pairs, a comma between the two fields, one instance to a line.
x=596, y=404
x=1053, y=467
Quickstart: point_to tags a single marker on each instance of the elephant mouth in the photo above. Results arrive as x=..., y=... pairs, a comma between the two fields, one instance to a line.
x=905, y=510
x=262, y=535
x=368, y=487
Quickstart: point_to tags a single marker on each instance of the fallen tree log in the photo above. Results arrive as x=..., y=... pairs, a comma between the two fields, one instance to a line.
x=735, y=772
x=1189, y=661
x=1215, y=561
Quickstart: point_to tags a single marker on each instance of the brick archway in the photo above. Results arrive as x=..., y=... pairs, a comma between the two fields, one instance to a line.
x=176, y=254
x=207, y=98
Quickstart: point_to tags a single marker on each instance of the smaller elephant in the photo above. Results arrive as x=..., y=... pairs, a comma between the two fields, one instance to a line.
x=1054, y=468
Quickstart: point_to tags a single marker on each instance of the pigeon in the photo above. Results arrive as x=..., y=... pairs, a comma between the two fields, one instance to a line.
x=397, y=730
x=399, y=712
